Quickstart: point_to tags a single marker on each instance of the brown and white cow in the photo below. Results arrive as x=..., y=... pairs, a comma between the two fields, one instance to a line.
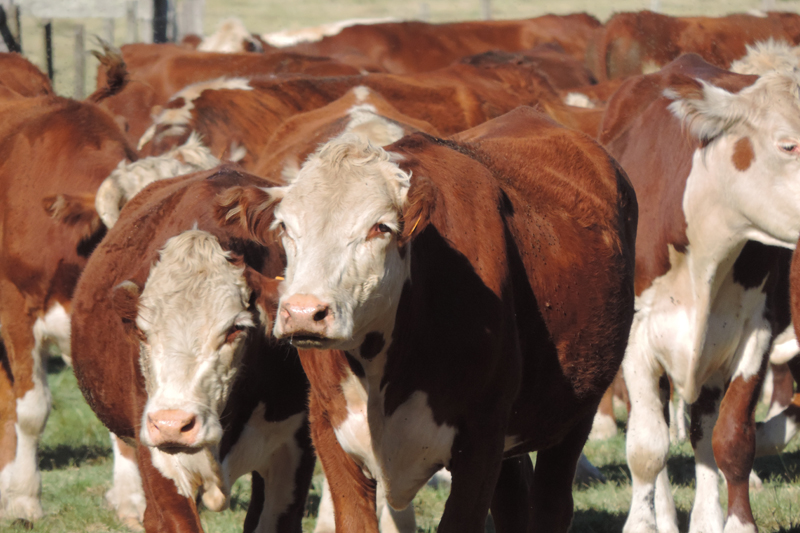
x=56, y=152
x=713, y=157
x=489, y=264
x=169, y=308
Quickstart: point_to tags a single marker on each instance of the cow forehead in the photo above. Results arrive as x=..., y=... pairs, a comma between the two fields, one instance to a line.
x=347, y=179
x=193, y=278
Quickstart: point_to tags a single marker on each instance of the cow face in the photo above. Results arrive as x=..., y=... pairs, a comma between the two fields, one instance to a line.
x=193, y=313
x=341, y=224
x=751, y=158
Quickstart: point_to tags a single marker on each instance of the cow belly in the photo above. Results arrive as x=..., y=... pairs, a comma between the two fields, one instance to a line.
x=411, y=447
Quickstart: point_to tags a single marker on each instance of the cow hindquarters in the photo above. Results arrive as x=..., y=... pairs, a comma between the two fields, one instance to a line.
x=126, y=495
x=647, y=442
x=24, y=337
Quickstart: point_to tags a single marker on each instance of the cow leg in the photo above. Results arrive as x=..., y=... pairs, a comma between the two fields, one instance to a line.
x=475, y=464
x=20, y=480
x=706, y=513
x=734, y=443
x=511, y=502
x=551, y=494
x=647, y=443
x=283, y=485
x=782, y=389
x=391, y=520
x=352, y=493
x=126, y=495
x=773, y=435
x=166, y=511
x=605, y=425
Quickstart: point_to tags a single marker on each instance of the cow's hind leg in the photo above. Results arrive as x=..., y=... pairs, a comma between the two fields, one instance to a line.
x=647, y=444
x=23, y=334
x=511, y=502
x=706, y=513
x=551, y=493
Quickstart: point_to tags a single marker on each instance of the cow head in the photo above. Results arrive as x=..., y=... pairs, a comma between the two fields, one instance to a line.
x=345, y=223
x=750, y=156
x=193, y=315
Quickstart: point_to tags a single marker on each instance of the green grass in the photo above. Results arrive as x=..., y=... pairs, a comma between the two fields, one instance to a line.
x=75, y=458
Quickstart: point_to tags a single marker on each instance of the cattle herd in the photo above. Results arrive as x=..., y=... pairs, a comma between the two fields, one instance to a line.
x=398, y=247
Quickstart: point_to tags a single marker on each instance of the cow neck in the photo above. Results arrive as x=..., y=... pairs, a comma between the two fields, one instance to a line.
x=716, y=234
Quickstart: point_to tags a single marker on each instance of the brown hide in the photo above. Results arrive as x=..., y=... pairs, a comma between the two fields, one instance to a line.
x=630, y=41
x=636, y=129
x=451, y=100
x=23, y=77
x=409, y=47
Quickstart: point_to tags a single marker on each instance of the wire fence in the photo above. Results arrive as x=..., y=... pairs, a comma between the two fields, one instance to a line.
x=262, y=16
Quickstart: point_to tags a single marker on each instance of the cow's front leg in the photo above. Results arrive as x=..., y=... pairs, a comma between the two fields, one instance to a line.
x=647, y=443
x=706, y=513
x=734, y=448
x=511, y=509
x=126, y=495
x=167, y=511
x=476, y=460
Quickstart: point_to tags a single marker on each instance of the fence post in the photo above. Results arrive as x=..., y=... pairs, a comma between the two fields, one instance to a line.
x=160, y=20
x=655, y=6
x=768, y=5
x=48, y=48
x=486, y=9
x=108, y=30
x=132, y=26
x=14, y=14
x=80, y=63
x=190, y=18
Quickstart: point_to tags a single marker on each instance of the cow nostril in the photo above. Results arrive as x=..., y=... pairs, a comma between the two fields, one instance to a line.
x=189, y=426
x=320, y=315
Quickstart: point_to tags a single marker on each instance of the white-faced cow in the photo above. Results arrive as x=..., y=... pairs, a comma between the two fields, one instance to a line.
x=713, y=157
x=170, y=308
x=482, y=290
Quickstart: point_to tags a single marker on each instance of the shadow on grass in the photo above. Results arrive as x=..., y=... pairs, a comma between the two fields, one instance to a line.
x=55, y=364
x=680, y=468
x=64, y=455
x=784, y=467
x=597, y=521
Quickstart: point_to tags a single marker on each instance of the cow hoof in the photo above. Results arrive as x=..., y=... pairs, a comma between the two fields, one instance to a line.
x=733, y=525
x=22, y=510
x=22, y=523
x=130, y=510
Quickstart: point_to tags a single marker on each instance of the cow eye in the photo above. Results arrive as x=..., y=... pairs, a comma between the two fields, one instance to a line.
x=789, y=147
x=378, y=230
x=234, y=332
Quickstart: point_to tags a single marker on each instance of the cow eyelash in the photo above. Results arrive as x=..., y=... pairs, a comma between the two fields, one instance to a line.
x=788, y=147
x=234, y=332
x=378, y=230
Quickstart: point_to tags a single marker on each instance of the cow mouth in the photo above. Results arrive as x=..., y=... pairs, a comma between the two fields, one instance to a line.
x=173, y=449
x=309, y=340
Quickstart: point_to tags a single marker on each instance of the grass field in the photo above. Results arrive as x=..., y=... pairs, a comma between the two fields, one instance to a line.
x=75, y=458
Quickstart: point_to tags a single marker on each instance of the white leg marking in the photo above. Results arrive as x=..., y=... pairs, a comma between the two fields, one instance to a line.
x=391, y=521
x=666, y=515
x=126, y=495
x=325, y=520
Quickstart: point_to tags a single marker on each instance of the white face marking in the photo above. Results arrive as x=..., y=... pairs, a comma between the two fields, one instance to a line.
x=765, y=56
x=174, y=121
x=229, y=38
x=339, y=219
x=193, y=313
x=758, y=202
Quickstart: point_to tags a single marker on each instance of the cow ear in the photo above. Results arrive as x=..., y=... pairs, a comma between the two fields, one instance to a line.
x=125, y=300
x=264, y=294
x=248, y=210
x=418, y=208
x=708, y=111
x=72, y=210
